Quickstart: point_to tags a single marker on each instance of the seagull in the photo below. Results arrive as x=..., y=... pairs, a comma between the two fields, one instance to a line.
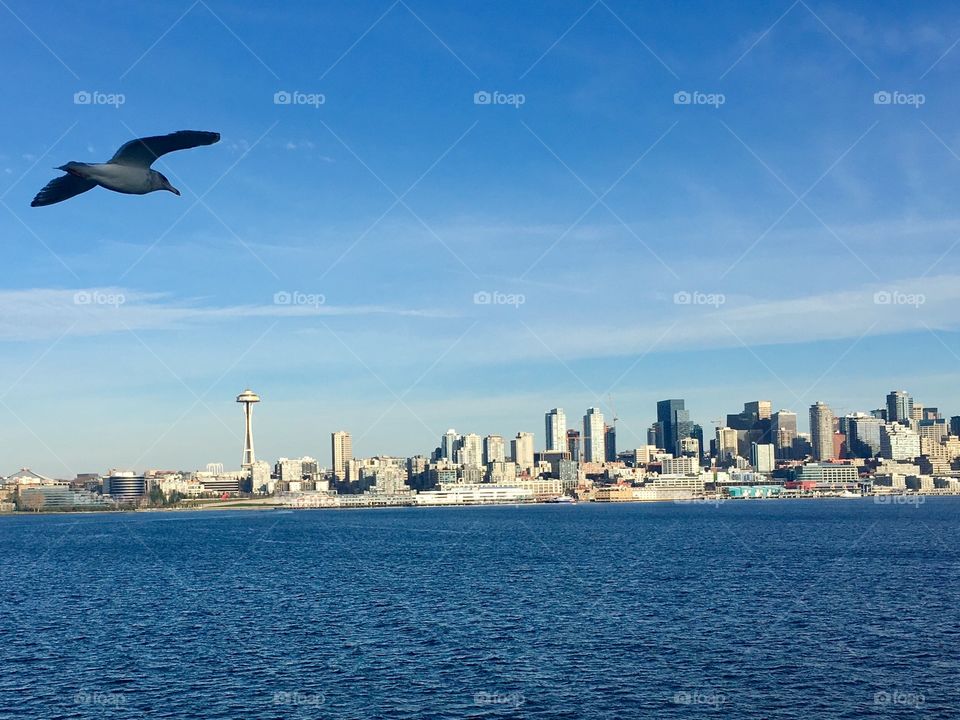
x=128, y=171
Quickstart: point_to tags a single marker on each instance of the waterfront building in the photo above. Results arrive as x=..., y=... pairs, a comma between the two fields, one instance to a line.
x=125, y=486
x=685, y=465
x=827, y=474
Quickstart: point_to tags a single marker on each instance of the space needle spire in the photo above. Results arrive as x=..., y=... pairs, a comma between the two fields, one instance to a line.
x=248, y=398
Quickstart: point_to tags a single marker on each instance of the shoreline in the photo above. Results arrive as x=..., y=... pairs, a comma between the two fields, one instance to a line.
x=878, y=499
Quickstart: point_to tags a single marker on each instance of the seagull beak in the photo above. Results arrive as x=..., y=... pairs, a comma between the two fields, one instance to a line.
x=172, y=189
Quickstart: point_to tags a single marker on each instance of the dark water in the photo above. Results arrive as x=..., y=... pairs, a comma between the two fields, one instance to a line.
x=793, y=609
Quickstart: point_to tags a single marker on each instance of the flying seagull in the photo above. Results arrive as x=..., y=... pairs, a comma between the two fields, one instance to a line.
x=128, y=171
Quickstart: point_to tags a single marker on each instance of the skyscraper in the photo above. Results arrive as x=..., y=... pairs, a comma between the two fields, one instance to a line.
x=821, y=431
x=761, y=409
x=449, y=444
x=341, y=453
x=761, y=457
x=556, y=427
x=573, y=444
x=610, y=443
x=594, y=448
x=784, y=432
x=470, y=453
x=522, y=450
x=863, y=435
x=899, y=407
x=494, y=449
x=673, y=420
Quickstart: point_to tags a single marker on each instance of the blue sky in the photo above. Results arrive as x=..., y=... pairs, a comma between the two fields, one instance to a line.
x=813, y=229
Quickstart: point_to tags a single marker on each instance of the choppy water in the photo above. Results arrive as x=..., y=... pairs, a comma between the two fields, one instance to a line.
x=758, y=609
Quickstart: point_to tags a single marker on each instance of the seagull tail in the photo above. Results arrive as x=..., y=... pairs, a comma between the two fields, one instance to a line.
x=74, y=168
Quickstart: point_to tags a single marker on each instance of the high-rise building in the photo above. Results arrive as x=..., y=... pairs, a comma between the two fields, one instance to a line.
x=863, y=435
x=573, y=444
x=898, y=442
x=761, y=457
x=899, y=407
x=784, y=432
x=610, y=443
x=521, y=448
x=673, y=421
x=494, y=449
x=726, y=443
x=449, y=444
x=955, y=425
x=690, y=447
x=341, y=453
x=556, y=427
x=760, y=409
x=470, y=453
x=821, y=431
x=593, y=436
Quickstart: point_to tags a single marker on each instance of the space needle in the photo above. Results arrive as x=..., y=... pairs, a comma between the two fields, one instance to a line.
x=248, y=398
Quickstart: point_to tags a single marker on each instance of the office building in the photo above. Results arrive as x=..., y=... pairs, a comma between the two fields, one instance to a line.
x=341, y=453
x=593, y=436
x=556, y=429
x=470, y=453
x=899, y=407
x=522, y=452
x=494, y=449
x=673, y=423
x=762, y=457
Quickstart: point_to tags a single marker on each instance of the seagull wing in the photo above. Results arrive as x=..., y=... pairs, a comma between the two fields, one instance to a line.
x=143, y=151
x=62, y=188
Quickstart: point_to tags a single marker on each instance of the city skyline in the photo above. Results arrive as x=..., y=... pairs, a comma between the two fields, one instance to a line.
x=398, y=247
x=473, y=448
